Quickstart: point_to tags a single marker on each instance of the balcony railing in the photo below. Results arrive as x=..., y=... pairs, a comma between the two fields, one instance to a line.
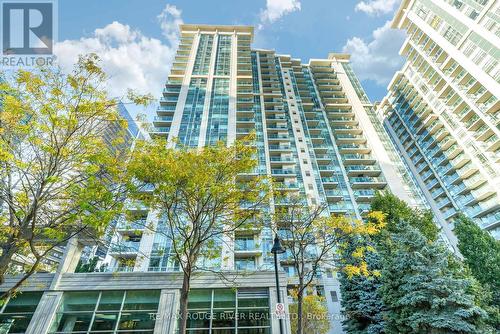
x=125, y=247
x=244, y=245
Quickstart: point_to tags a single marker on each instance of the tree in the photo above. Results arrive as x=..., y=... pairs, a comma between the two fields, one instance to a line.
x=87, y=267
x=313, y=239
x=314, y=306
x=361, y=300
x=201, y=196
x=365, y=300
x=397, y=210
x=481, y=254
x=58, y=176
x=419, y=289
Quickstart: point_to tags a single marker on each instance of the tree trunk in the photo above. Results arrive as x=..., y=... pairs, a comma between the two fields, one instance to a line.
x=8, y=252
x=183, y=307
x=300, y=298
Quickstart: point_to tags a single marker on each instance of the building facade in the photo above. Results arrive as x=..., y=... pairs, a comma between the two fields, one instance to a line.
x=442, y=110
x=126, y=137
x=317, y=136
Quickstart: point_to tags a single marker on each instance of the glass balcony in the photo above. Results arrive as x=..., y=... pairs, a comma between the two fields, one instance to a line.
x=282, y=171
x=244, y=264
x=139, y=224
x=279, y=147
x=159, y=119
x=125, y=247
x=280, y=159
x=160, y=129
x=244, y=244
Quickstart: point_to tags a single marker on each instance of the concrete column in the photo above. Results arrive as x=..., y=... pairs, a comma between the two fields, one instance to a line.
x=166, y=318
x=68, y=263
x=274, y=320
x=179, y=109
x=45, y=313
x=147, y=240
x=233, y=88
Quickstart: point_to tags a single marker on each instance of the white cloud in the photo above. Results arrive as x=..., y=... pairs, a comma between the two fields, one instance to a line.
x=377, y=7
x=131, y=59
x=275, y=9
x=170, y=19
x=378, y=59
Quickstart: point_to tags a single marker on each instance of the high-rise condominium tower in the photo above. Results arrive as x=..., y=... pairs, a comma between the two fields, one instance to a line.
x=317, y=136
x=443, y=111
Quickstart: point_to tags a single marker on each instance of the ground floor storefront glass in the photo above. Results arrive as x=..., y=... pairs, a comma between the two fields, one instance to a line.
x=16, y=313
x=108, y=312
x=210, y=311
x=229, y=311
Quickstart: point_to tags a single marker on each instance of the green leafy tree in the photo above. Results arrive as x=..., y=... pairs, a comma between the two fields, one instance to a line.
x=316, y=320
x=58, y=176
x=397, y=210
x=361, y=297
x=313, y=239
x=481, y=254
x=202, y=197
x=370, y=303
x=88, y=266
x=419, y=289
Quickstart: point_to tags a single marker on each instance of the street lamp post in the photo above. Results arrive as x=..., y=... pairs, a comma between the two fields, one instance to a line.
x=277, y=249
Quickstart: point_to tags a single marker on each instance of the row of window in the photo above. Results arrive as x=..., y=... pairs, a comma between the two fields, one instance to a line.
x=212, y=311
x=110, y=311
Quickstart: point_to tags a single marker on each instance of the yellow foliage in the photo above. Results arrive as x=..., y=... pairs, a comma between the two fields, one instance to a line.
x=54, y=157
x=315, y=314
x=352, y=270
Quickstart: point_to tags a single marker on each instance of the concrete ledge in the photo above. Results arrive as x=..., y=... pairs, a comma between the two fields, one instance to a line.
x=147, y=280
x=37, y=282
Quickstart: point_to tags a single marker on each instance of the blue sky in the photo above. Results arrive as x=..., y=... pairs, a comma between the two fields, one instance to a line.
x=137, y=38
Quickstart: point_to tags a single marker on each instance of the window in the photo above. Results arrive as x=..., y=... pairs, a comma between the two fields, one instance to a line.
x=473, y=15
x=214, y=311
x=223, y=60
x=125, y=264
x=245, y=264
x=244, y=244
x=16, y=314
x=111, y=311
x=289, y=270
x=189, y=129
x=218, y=113
x=458, y=4
x=162, y=257
x=435, y=22
x=202, y=61
x=334, y=296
